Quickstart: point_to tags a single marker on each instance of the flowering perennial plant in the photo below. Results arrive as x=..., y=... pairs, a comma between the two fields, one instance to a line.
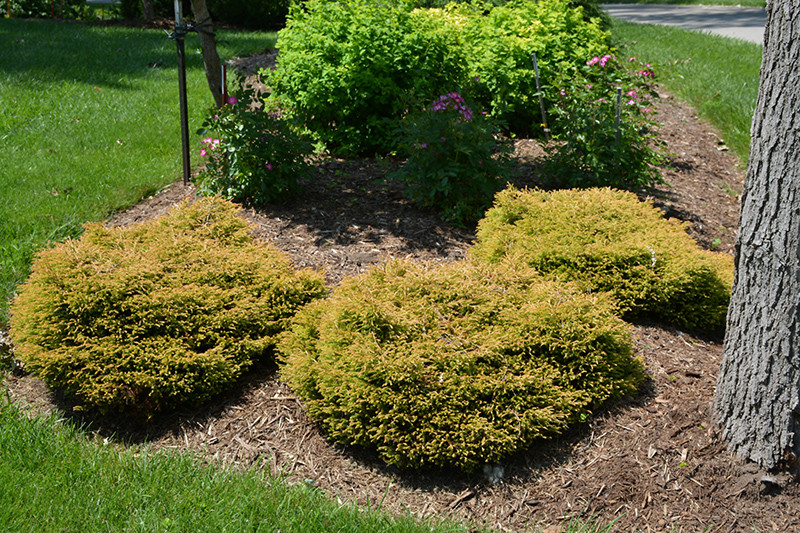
x=456, y=160
x=251, y=155
x=595, y=148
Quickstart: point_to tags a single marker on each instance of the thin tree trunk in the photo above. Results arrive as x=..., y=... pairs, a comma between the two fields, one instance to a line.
x=147, y=10
x=757, y=402
x=208, y=46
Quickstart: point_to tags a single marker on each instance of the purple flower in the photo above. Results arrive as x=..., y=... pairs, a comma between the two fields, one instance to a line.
x=268, y=166
x=232, y=100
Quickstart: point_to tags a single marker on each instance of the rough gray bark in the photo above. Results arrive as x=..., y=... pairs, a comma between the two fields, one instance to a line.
x=208, y=46
x=757, y=401
x=147, y=10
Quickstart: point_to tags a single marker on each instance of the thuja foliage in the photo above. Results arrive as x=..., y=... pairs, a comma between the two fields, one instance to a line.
x=609, y=241
x=456, y=366
x=349, y=69
x=157, y=315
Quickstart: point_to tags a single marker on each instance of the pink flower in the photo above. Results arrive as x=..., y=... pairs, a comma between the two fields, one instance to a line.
x=203, y=152
x=647, y=110
x=589, y=86
x=563, y=92
x=604, y=60
x=593, y=60
x=631, y=60
x=631, y=102
x=268, y=166
x=232, y=100
x=632, y=94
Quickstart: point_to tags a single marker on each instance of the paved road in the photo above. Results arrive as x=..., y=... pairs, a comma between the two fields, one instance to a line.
x=745, y=23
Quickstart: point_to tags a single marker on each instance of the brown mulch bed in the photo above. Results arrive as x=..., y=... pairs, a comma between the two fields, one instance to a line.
x=656, y=464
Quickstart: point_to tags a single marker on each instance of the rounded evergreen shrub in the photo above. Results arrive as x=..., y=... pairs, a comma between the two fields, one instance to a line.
x=165, y=313
x=457, y=366
x=607, y=240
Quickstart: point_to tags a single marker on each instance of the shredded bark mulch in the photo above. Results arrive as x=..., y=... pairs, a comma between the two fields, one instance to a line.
x=655, y=464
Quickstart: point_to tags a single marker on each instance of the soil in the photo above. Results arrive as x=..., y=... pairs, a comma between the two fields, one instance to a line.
x=656, y=463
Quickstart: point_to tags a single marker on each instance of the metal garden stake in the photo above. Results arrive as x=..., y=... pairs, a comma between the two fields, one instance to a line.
x=616, y=119
x=178, y=36
x=539, y=92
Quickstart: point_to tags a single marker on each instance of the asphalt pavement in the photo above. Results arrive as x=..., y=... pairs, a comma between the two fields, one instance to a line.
x=746, y=23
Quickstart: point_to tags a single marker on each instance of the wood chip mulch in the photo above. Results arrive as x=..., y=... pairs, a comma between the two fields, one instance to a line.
x=654, y=464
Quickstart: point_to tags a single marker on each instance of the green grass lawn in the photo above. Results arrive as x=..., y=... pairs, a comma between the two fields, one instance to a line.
x=53, y=479
x=716, y=75
x=89, y=124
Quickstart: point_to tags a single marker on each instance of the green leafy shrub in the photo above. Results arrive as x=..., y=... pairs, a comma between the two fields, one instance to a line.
x=350, y=69
x=456, y=161
x=256, y=14
x=158, y=315
x=252, y=155
x=499, y=43
x=459, y=365
x=68, y=9
x=605, y=142
x=607, y=240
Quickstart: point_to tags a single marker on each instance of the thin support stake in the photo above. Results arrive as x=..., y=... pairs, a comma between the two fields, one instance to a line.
x=616, y=119
x=179, y=36
x=224, y=83
x=541, y=100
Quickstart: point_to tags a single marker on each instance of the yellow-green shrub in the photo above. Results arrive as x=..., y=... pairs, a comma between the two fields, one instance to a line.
x=458, y=365
x=608, y=240
x=157, y=315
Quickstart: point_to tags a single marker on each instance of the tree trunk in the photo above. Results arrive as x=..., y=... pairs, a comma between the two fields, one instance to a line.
x=148, y=11
x=757, y=401
x=208, y=46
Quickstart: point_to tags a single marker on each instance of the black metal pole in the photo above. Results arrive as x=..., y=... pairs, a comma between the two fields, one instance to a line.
x=184, y=109
x=179, y=35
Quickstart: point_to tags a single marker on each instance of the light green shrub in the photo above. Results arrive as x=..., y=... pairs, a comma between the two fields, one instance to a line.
x=161, y=314
x=607, y=240
x=498, y=43
x=350, y=69
x=458, y=365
